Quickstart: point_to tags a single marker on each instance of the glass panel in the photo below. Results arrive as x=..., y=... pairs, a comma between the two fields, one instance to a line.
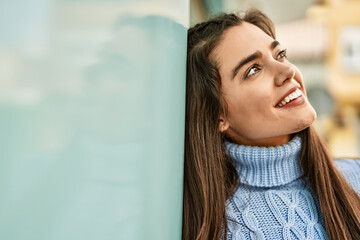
x=92, y=102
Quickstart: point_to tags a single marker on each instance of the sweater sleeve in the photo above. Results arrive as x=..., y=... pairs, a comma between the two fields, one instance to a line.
x=350, y=168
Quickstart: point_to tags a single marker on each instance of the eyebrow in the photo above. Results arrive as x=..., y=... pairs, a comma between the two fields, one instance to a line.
x=250, y=58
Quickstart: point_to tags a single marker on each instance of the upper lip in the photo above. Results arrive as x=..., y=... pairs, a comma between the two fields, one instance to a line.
x=286, y=94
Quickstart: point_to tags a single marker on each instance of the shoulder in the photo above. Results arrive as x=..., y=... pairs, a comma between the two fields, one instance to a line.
x=350, y=169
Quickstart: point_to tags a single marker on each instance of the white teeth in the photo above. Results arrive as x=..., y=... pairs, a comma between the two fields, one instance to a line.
x=290, y=97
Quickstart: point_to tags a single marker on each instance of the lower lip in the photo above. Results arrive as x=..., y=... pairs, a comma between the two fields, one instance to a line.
x=298, y=101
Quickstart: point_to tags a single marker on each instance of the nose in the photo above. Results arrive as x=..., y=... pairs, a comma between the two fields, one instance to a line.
x=283, y=73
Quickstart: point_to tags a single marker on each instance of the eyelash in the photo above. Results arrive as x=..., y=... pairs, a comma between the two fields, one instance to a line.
x=282, y=54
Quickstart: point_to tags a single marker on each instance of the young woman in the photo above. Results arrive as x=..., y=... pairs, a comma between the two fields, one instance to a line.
x=254, y=166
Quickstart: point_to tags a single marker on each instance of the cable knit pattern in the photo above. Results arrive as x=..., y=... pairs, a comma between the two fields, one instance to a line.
x=273, y=201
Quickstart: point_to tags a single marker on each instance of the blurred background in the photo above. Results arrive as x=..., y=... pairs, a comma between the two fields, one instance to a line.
x=92, y=105
x=322, y=38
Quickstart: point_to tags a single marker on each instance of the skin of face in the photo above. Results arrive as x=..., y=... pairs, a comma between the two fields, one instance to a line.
x=252, y=117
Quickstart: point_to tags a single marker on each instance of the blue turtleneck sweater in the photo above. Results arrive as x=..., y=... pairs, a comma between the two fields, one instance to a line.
x=273, y=200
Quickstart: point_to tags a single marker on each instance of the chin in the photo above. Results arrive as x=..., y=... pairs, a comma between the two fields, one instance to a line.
x=306, y=121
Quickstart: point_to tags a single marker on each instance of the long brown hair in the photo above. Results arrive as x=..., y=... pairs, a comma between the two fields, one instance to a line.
x=209, y=175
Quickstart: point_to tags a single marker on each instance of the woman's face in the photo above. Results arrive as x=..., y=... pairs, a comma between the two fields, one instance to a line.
x=264, y=92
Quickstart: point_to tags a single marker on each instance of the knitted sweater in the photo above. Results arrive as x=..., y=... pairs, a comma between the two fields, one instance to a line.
x=274, y=201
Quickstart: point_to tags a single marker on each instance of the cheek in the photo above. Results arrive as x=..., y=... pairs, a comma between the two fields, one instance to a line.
x=251, y=110
x=251, y=102
x=259, y=102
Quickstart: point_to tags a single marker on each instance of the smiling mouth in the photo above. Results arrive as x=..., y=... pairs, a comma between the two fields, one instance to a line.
x=291, y=97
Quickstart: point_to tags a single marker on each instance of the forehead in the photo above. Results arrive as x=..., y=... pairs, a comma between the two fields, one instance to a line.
x=240, y=41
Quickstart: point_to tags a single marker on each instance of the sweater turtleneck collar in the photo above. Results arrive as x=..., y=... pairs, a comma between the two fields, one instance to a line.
x=267, y=166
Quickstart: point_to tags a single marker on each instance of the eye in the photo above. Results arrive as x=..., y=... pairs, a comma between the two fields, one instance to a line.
x=252, y=70
x=282, y=54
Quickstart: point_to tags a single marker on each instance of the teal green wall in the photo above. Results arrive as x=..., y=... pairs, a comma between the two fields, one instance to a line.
x=92, y=102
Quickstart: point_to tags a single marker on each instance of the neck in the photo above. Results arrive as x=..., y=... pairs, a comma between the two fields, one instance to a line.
x=264, y=142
